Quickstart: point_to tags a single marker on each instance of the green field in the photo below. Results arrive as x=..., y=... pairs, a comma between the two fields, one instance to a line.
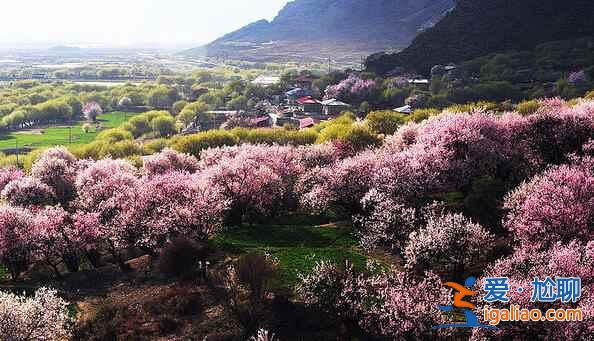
x=297, y=247
x=60, y=135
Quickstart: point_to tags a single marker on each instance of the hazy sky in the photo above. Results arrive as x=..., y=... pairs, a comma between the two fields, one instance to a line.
x=125, y=22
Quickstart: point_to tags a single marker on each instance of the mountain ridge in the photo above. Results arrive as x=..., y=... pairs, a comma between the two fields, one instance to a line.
x=479, y=27
x=340, y=29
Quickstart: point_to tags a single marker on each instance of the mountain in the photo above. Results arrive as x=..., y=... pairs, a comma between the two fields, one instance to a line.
x=479, y=27
x=309, y=30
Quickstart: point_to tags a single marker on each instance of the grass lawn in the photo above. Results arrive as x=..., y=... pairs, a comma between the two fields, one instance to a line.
x=59, y=135
x=297, y=247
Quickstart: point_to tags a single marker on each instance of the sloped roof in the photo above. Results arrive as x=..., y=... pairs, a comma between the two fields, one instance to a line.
x=260, y=119
x=306, y=122
x=307, y=100
x=407, y=109
x=335, y=102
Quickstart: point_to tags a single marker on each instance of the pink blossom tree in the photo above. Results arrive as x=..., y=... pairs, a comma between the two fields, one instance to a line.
x=172, y=205
x=396, y=305
x=169, y=160
x=557, y=206
x=57, y=168
x=16, y=244
x=104, y=190
x=9, y=174
x=28, y=191
x=340, y=186
x=385, y=223
x=257, y=180
x=91, y=110
x=57, y=240
x=351, y=89
x=446, y=244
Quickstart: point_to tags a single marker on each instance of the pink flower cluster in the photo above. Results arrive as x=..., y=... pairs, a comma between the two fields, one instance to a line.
x=390, y=304
x=169, y=160
x=556, y=206
x=446, y=244
x=351, y=89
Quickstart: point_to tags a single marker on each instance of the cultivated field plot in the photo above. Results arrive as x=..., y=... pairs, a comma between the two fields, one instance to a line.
x=61, y=134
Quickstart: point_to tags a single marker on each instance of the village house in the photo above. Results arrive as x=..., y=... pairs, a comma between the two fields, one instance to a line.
x=333, y=107
x=309, y=105
x=262, y=121
x=297, y=93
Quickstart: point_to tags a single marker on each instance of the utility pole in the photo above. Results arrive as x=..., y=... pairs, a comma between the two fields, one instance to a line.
x=329, y=65
x=16, y=142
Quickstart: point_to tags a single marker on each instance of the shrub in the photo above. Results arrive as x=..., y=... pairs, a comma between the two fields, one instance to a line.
x=255, y=271
x=528, y=107
x=114, y=135
x=41, y=317
x=263, y=335
x=322, y=287
x=385, y=122
x=163, y=126
x=180, y=258
x=194, y=144
x=155, y=146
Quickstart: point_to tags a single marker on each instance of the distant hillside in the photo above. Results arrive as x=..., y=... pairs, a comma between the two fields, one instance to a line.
x=480, y=27
x=309, y=30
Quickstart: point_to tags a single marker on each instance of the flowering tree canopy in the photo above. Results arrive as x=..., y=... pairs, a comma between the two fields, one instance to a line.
x=28, y=191
x=43, y=317
x=91, y=110
x=446, y=244
x=16, y=245
x=555, y=206
x=169, y=160
x=57, y=168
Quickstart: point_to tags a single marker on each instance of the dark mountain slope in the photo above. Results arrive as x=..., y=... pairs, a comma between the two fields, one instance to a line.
x=479, y=27
x=330, y=28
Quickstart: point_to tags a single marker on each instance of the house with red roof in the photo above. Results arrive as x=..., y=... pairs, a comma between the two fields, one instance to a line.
x=308, y=104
